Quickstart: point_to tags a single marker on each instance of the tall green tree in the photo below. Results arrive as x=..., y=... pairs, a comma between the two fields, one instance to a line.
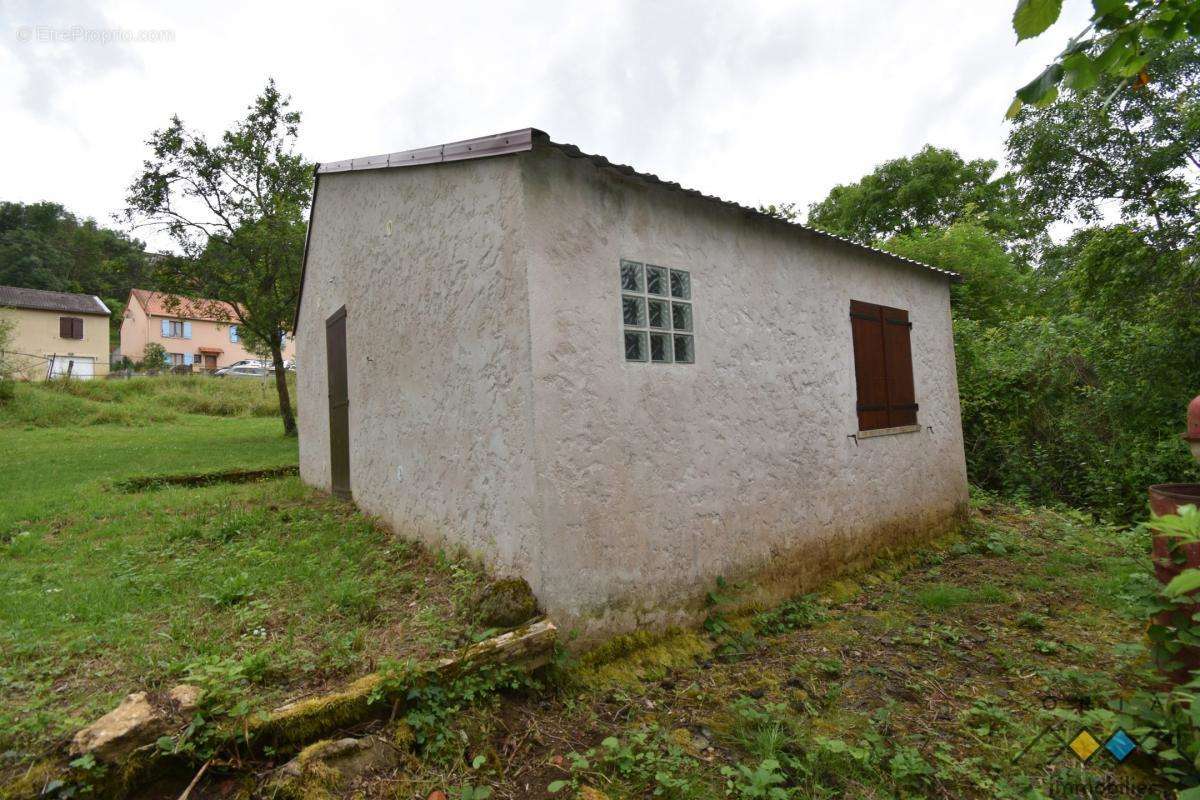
x=1139, y=155
x=235, y=208
x=994, y=287
x=931, y=189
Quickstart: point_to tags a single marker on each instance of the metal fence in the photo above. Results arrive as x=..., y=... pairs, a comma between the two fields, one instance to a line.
x=31, y=366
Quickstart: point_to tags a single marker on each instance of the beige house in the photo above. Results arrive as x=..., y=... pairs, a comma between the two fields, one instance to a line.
x=199, y=333
x=55, y=334
x=615, y=387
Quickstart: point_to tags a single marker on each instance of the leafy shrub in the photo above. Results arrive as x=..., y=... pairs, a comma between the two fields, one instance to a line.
x=154, y=357
x=1164, y=720
x=799, y=612
x=644, y=758
x=1074, y=410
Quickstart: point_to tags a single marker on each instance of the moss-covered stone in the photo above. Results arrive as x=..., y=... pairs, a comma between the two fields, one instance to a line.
x=327, y=766
x=308, y=719
x=641, y=655
x=402, y=736
x=505, y=603
x=30, y=783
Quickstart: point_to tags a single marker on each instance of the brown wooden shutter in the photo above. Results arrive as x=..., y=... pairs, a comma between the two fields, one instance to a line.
x=866, y=325
x=882, y=366
x=897, y=350
x=64, y=327
x=76, y=327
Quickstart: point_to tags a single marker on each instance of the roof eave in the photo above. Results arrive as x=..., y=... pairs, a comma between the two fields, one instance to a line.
x=525, y=139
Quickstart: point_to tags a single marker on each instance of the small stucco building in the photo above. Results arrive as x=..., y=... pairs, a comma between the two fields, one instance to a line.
x=194, y=332
x=55, y=334
x=615, y=387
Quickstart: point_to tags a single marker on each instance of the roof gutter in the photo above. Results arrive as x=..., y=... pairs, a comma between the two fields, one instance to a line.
x=481, y=147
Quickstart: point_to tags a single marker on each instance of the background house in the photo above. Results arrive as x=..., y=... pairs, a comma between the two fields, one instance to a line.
x=193, y=331
x=614, y=387
x=56, y=333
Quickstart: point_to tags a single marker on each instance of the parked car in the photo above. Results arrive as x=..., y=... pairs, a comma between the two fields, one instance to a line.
x=245, y=362
x=242, y=372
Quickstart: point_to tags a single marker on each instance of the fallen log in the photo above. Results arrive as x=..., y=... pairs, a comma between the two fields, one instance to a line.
x=529, y=647
x=371, y=697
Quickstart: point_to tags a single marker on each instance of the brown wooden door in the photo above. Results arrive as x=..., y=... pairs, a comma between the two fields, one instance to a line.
x=339, y=403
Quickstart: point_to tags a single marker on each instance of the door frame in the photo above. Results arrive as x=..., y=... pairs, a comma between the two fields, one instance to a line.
x=339, y=407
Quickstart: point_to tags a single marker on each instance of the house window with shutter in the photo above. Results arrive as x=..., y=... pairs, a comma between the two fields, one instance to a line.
x=70, y=328
x=233, y=333
x=176, y=329
x=883, y=366
x=656, y=314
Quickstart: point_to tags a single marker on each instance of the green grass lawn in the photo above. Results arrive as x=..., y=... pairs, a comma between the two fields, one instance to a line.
x=266, y=585
x=63, y=473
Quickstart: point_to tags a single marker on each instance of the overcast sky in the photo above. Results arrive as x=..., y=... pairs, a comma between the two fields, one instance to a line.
x=753, y=101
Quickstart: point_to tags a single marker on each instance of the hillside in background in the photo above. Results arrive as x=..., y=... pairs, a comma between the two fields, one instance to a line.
x=45, y=246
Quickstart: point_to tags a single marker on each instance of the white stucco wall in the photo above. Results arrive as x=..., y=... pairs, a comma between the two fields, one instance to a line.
x=655, y=479
x=430, y=263
x=491, y=405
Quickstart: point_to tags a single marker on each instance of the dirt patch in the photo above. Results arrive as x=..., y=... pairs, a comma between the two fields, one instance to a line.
x=143, y=483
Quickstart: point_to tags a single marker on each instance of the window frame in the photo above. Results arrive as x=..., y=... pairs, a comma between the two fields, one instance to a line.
x=668, y=300
x=177, y=329
x=73, y=324
x=883, y=356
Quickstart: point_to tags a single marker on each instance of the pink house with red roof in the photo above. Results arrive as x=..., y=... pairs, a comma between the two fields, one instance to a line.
x=194, y=331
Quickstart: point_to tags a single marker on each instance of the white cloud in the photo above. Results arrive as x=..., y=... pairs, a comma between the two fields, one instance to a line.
x=754, y=101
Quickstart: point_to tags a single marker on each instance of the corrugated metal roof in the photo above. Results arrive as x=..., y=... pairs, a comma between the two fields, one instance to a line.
x=600, y=161
x=42, y=300
x=526, y=139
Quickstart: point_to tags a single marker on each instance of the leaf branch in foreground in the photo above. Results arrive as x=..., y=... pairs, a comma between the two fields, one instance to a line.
x=1122, y=39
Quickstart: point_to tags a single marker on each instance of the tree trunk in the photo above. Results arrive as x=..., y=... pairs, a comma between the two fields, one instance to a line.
x=285, y=401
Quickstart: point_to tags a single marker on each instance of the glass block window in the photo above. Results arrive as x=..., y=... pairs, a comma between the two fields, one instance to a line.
x=681, y=285
x=656, y=280
x=660, y=313
x=633, y=311
x=656, y=314
x=685, y=352
x=660, y=348
x=635, y=346
x=631, y=276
